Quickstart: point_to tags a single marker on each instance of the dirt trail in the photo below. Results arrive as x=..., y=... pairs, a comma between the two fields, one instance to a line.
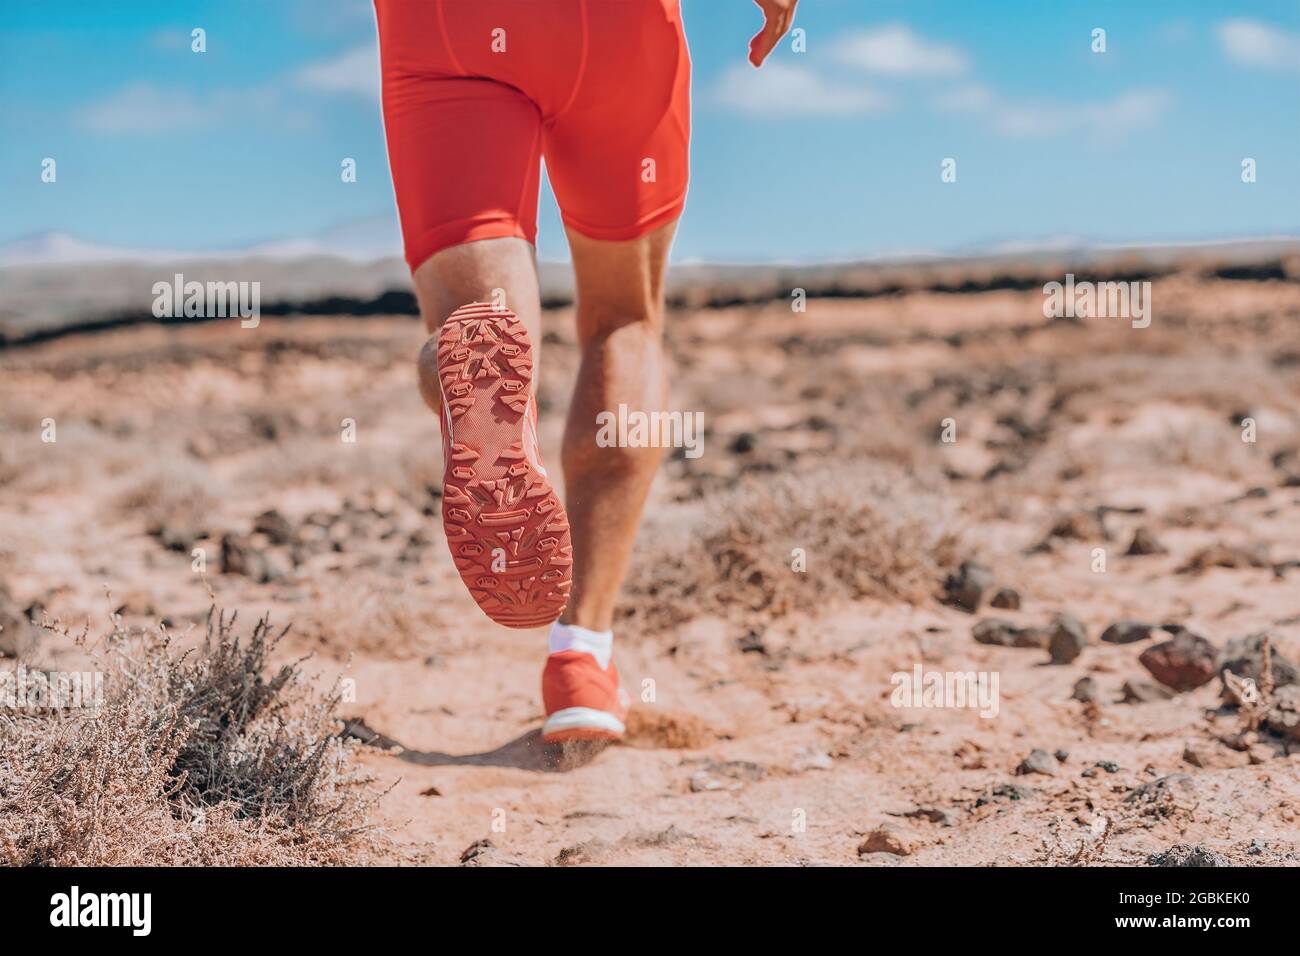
x=765, y=731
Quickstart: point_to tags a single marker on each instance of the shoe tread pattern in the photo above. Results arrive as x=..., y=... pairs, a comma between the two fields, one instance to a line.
x=493, y=497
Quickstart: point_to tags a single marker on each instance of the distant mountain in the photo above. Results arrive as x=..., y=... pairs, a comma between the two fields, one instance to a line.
x=378, y=239
x=362, y=240
x=59, y=248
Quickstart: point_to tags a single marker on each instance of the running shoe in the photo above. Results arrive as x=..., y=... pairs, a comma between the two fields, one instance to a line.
x=508, y=533
x=583, y=701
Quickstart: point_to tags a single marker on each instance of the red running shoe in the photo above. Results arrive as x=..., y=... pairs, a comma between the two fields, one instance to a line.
x=583, y=702
x=508, y=533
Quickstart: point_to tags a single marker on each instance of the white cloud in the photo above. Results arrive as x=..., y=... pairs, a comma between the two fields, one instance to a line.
x=1257, y=44
x=354, y=72
x=1125, y=112
x=969, y=98
x=1130, y=110
x=896, y=51
x=780, y=89
x=142, y=108
x=147, y=108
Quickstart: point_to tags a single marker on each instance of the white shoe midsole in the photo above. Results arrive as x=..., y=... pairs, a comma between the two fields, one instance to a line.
x=572, y=718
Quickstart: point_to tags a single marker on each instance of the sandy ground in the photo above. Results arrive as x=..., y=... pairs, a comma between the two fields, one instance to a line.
x=765, y=731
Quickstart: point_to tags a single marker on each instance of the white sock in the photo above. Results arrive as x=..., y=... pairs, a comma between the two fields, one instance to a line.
x=570, y=637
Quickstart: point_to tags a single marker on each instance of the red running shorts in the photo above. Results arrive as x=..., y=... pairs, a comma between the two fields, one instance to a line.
x=477, y=92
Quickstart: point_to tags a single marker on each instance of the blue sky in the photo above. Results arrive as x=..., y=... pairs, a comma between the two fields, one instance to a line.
x=830, y=153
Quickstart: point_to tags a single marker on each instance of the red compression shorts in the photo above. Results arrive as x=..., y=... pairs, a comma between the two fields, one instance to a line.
x=476, y=92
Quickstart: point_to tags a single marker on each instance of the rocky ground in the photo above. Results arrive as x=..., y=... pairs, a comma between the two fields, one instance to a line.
x=1100, y=518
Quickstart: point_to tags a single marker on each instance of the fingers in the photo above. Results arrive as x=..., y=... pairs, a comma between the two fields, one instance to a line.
x=760, y=45
x=765, y=41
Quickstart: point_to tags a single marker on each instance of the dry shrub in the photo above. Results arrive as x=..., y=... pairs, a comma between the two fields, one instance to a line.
x=866, y=531
x=192, y=759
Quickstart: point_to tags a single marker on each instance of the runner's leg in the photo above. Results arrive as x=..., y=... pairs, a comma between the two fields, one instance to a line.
x=620, y=330
x=490, y=270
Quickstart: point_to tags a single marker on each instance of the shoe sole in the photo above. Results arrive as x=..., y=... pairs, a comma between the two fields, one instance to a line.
x=581, y=723
x=505, y=526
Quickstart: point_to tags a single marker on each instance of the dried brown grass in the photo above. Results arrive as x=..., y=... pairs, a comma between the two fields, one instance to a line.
x=865, y=532
x=207, y=758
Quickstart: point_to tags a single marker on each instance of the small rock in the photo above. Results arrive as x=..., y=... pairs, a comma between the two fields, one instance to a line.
x=177, y=537
x=889, y=838
x=751, y=643
x=16, y=634
x=1061, y=755
x=1008, y=599
x=1109, y=766
x=276, y=565
x=383, y=503
x=275, y=526
x=1173, y=785
x=725, y=775
x=965, y=589
x=486, y=853
x=807, y=759
x=940, y=815
x=702, y=781
x=1067, y=640
x=238, y=556
x=582, y=854
x=1137, y=691
x=1038, y=761
x=202, y=447
x=1005, y=791
x=1184, y=663
x=1241, y=742
x=743, y=443
x=1244, y=656
x=1184, y=854
x=1144, y=543
x=1002, y=633
x=1079, y=526
x=1259, y=491
x=1260, y=753
x=1127, y=632
x=1197, y=756
x=1085, y=689
x=1227, y=556
x=1284, y=717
